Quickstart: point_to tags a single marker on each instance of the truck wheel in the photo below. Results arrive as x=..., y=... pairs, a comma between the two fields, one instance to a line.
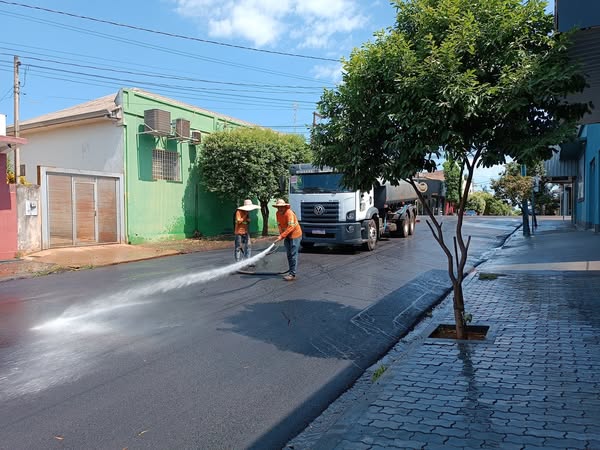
x=371, y=236
x=411, y=225
x=404, y=227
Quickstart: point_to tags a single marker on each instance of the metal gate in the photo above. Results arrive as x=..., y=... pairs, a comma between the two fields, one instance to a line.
x=81, y=210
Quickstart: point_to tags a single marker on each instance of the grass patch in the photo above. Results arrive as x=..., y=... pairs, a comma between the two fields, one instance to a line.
x=378, y=372
x=50, y=271
x=490, y=276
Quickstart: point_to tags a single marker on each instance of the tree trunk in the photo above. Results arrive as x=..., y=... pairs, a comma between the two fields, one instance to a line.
x=264, y=209
x=459, y=310
x=461, y=248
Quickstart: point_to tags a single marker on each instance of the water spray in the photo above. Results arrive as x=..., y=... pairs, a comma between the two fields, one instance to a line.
x=137, y=295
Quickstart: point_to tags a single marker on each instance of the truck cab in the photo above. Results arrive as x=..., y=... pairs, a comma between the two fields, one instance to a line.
x=328, y=212
x=332, y=214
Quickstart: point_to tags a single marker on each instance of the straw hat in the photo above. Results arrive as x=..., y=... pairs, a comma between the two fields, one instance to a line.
x=248, y=206
x=280, y=202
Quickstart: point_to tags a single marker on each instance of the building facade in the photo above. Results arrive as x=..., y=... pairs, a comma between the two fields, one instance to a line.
x=575, y=164
x=123, y=168
x=9, y=213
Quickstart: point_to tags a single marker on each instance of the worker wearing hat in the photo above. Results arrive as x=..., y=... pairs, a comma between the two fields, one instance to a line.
x=242, y=245
x=290, y=233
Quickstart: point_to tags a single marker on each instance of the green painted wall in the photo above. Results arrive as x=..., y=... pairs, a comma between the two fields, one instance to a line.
x=159, y=209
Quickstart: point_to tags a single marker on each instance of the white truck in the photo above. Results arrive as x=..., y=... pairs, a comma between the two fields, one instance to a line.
x=331, y=214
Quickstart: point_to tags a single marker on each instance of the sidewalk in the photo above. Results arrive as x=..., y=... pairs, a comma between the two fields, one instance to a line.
x=533, y=383
x=78, y=258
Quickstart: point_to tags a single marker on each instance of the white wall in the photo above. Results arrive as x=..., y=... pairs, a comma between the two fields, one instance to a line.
x=29, y=226
x=93, y=146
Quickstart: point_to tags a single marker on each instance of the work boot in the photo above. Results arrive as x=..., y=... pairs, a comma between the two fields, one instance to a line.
x=289, y=277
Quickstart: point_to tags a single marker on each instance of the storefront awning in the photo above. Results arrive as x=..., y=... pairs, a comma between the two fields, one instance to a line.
x=572, y=150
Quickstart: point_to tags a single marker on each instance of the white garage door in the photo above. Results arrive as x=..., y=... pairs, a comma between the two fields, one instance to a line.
x=82, y=209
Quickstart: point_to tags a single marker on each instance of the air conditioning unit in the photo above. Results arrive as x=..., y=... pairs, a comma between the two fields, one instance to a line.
x=157, y=122
x=182, y=129
x=196, y=137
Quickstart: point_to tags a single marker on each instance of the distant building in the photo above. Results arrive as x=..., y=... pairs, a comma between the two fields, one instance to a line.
x=435, y=195
x=123, y=168
x=575, y=165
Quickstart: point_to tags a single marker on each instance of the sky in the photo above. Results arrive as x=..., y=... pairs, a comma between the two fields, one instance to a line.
x=67, y=60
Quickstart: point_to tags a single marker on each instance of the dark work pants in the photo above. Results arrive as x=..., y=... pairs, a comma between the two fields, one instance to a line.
x=292, y=246
x=242, y=247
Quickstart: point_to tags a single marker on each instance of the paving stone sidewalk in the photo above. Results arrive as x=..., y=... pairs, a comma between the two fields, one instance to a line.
x=533, y=383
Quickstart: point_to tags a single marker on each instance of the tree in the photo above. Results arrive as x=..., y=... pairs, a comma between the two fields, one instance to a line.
x=250, y=163
x=486, y=204
x=512, y=186
x=476, y=81
x=547, y=201
x=496, y=207
x=452, y=181
x=476, y=202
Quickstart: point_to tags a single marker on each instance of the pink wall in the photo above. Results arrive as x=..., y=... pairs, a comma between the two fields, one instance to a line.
x=8, y=214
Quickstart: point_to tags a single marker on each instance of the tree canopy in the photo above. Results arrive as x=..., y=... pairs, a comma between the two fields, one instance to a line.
x=249, y=163
x=513, y=187
x=476, y=81
x=486, y=204
x=479, y=78
x=476, y=202
x=452, y=180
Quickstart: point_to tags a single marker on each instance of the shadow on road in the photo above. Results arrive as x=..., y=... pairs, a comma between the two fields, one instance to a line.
x=329, y=329
x=317, y=328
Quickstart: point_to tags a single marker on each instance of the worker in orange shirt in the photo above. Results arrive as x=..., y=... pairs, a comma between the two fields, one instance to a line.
x=242, y=245
x=290, y=233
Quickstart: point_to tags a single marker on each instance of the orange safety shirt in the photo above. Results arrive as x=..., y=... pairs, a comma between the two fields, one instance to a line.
x=242, y=222
x=288, y=224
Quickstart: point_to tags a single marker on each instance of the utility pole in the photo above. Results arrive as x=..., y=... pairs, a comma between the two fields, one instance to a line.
x=536, y=188
x=295, y=106
x=314, y=124
x=17, y=89
x=526, y=230
x=315, y=115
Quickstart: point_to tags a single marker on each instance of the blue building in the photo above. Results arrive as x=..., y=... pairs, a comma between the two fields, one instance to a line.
x=576, y=165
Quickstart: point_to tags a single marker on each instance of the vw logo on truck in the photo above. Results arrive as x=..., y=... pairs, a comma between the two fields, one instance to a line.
x=319, y=210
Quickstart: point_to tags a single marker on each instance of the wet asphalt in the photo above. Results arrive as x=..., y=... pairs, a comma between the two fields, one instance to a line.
x=95, y=359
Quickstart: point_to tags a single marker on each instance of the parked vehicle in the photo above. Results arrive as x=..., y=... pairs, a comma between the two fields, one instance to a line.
x=470, y=212
x=331, y=214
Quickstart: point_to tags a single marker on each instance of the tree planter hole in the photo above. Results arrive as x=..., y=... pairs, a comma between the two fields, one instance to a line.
x=474, y=332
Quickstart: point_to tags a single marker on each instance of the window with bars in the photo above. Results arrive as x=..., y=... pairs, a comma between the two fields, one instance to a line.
x=165, y=165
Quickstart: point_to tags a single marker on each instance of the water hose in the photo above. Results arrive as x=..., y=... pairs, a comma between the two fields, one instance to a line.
x=272, y=249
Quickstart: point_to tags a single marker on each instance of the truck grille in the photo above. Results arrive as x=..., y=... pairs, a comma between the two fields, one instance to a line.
x=318, y=212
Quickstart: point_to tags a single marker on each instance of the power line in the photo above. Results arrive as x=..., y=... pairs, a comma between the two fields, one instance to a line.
x=164, y=33
x=167, y=50
x=171, y=77
x=6, y=94
x=165, y=90
x=163, y=85
x=46, y=52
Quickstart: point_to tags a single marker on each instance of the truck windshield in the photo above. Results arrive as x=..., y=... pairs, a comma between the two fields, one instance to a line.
x=311, y=183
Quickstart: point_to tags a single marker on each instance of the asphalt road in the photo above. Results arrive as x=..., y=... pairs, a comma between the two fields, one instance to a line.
x=105, y=359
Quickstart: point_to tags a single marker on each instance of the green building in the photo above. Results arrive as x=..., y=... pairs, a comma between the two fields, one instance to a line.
x=123, y=168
